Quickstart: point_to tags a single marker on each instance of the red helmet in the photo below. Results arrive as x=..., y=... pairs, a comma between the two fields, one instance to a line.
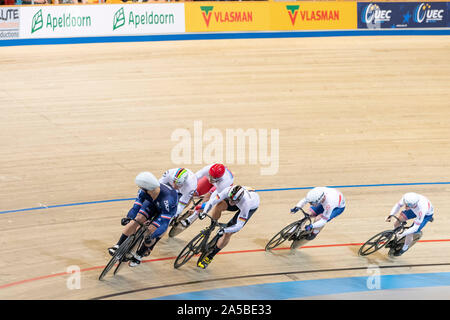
x=217, y=171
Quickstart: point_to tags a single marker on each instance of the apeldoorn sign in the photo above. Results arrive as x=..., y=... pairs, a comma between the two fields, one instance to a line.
x=102, y=20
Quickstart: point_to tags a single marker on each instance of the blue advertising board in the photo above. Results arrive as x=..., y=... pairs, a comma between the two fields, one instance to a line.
x=384, y=15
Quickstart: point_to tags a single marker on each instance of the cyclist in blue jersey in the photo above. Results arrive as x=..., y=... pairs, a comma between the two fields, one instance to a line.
x=154, y=200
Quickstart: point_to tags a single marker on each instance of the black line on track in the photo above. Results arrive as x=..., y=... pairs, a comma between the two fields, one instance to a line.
x=264, y=275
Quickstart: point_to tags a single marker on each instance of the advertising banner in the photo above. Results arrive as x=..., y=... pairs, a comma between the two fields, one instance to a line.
x=9, y=22
x=227, y=16
x=382, y=15
x=313, y=15
x=100, y=20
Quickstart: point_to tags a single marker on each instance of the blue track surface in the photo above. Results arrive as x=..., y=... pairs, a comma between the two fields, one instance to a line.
x=227, y=35
x=309, y=288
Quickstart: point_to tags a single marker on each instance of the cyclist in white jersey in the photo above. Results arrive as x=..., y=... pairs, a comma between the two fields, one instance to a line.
x=417, y=207
x=215, y=177
x=325, y=205
x=184, y=181
x=244, y=200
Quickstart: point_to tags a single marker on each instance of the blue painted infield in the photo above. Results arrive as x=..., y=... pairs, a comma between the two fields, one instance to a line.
x=310, y=288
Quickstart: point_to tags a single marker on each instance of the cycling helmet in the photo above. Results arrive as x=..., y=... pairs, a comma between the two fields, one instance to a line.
x=411, y=199
x=216, y=171
x=315, y=195
x=180, y=177
x=236, y=193
x=146, y=181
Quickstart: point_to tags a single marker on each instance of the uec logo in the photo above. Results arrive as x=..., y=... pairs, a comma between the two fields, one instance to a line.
x=373, y=13
x=424, y=11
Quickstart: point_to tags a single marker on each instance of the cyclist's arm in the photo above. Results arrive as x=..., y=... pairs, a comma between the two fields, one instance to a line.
x=240, y=221
x=137, y=205
x=420, y=216
x=184, y=200
x=202, y=172
x=324, y=219
x=301, y=203
x=396, y=208
x=216, y=197
x=165, y=178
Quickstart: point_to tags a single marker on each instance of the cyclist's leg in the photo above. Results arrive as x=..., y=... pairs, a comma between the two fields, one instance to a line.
x=316, y=211
x=225, y=239
x=411, y=239
x=128, y=230
x=216, y=211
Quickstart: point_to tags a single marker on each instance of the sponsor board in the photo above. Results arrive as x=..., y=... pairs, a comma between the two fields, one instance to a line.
x=386, y=15
x=100, y=20
x=231, y=16
x=9, y=22
x=313, y=15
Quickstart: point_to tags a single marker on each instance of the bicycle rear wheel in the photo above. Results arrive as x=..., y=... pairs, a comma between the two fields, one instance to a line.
x=375, y=243
x=283, y=235
x=118, y=255
x=191, y=249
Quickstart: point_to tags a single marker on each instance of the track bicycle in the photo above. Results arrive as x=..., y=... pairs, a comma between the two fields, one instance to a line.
x=200, y=244
x=127, y=249
x=387, y=239
x=175, y=224
x=294, y=232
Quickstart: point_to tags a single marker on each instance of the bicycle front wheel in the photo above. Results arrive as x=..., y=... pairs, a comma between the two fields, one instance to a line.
x=133, y=248
x=118, y=255
x=191, y=249
x=283, y=235
x=375, y=243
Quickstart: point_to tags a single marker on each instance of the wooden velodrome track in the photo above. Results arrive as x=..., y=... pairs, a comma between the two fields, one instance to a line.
x=78, y=122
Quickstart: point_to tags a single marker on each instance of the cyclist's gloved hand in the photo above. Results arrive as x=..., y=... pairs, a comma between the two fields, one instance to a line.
x=295, y=210
x=125, y=221
x=221, y=231
x=309, y=227
x=202, y=215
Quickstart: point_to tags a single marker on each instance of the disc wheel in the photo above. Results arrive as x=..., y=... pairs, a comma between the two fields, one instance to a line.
x=283, y=235
x=375, y=243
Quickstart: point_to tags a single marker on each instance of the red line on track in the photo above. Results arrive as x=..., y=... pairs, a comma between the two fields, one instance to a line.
x=172, y=258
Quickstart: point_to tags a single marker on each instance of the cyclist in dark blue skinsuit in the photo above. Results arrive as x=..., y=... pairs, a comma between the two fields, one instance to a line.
x=154, y=200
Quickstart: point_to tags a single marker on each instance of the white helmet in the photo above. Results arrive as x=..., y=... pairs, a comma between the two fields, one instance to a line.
x=315, y=195
x=411, y=199
x=146, y=181
x=180, y=177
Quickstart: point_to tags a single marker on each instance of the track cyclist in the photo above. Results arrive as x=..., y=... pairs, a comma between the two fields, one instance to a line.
x=242, y=200
x=325, y=205
x=417, y=207
x=184, y=181
x=156, y=201
x=212, y=180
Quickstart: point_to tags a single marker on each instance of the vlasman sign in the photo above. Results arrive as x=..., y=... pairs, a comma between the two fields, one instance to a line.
x=101, y=20
x=264, y=16
x=335, y=15
x=237, y=16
